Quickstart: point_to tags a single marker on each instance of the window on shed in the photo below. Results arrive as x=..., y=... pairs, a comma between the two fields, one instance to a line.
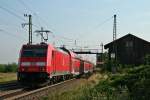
x=129, y=44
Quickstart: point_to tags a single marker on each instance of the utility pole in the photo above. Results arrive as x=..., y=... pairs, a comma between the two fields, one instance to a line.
x=115, y=36
x=114, y=54
x=75, y=42
x=41, y=32
x=102, y=57
x=114, y=29
x=101, y=47
x=30, y=27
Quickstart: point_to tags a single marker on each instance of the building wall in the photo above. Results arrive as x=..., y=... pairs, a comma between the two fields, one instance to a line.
x=130, y=50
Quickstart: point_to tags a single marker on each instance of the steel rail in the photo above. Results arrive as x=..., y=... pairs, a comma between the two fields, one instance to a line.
x=37, y=93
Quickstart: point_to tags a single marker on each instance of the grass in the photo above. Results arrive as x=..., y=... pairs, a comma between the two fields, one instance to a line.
x=7, y=77
x=127, y=84
x=79, y=91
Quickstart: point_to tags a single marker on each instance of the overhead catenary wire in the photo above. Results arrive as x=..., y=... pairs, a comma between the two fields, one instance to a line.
x=19, y=11
x=105, y=21
x=25, y=5
x=31, y=11
x=21, y=18
x=98, y=25
x=2, y=31
x=15, y=15
x=43, y=21
x=12, y=13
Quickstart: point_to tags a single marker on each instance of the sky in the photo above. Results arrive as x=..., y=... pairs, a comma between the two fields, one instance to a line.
x=89, y=22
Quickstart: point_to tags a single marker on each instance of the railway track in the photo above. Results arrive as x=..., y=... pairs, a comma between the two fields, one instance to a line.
x=30, y=94
x=11, y=93
x=8, y=85
x=9, y=88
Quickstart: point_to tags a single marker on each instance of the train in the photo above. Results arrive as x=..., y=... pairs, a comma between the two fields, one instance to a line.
x=44, y=63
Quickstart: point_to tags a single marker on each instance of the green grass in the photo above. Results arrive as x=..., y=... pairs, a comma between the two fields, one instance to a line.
x=130, y=84
x=77, y=92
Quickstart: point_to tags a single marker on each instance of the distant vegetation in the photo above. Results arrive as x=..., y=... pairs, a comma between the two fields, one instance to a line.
x=8, y=67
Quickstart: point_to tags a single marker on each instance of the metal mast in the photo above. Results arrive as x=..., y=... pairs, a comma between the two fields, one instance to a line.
x=30, y=27
x=114, y=29
x=102, y=48
x=114, y=55
x=102, y=54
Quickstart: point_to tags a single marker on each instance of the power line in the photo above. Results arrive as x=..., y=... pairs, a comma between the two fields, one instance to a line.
x=102, y=23
x=10, y=7
x=105, y=21
x=10, y=34
x=38, y=17
x=98, y=25
x=65, y=38
x=33, y=12
x=27, y=7
x=12, y=13
x=17, y=16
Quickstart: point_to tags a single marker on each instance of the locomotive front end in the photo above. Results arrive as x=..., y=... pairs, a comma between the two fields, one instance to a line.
x=33, y=64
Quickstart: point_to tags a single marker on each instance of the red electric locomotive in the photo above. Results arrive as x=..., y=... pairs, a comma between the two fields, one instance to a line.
x=43, y=63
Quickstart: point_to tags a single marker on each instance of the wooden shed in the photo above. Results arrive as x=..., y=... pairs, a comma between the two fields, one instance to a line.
x=128, y=49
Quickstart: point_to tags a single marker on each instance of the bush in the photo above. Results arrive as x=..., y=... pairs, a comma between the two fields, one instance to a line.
x=136, y=80
x=2, y=67
x=111, y=65
x=8, y=67
x=147, y=59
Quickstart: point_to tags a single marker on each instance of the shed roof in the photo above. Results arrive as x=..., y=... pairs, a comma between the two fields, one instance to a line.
x=119, y=39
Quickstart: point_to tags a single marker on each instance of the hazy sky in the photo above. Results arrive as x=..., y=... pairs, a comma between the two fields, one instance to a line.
x=90, y=22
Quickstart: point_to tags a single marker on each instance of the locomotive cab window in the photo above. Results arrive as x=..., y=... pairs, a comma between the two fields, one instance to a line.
x=40, y=52
x=27, y=53
x=34, y=52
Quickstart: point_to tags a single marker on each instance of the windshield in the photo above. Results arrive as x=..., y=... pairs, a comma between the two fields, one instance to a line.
x=34, y=52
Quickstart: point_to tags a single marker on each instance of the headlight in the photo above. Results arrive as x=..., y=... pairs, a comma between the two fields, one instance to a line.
x=40, y=64
x=25, y=63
